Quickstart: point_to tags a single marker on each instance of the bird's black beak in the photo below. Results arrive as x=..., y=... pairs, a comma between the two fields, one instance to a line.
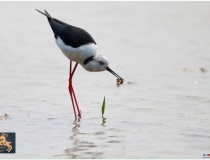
x=115, y=74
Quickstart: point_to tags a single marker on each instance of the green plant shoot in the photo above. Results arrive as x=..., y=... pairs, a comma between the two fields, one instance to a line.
x=103, y=107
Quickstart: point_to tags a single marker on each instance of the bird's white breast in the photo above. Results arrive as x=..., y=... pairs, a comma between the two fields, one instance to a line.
x=78, y=54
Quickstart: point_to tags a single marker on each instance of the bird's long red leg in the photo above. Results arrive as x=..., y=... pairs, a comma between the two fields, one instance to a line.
x=79, y=114
x=70, y=89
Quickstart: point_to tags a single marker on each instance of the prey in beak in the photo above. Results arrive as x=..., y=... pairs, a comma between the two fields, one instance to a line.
x=119, y=79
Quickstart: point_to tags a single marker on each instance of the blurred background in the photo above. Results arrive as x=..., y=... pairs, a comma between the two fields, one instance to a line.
x=162, y=51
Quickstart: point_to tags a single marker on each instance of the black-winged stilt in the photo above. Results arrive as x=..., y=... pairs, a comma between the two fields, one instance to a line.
x=78, y=45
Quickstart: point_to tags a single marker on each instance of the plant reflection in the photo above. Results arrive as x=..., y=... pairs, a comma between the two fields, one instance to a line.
x=103, y=121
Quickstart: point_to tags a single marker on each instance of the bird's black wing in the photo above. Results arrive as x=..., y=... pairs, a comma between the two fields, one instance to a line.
x=71, y=35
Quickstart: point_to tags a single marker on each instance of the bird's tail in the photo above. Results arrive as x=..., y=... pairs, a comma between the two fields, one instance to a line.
x=52, y=21
x=45, y=14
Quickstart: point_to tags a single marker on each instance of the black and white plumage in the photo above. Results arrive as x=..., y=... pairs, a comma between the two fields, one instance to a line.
x=71, y=35
x=78, y=45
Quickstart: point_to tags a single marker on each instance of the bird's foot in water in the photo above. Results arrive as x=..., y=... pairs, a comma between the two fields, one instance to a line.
x=79, y=114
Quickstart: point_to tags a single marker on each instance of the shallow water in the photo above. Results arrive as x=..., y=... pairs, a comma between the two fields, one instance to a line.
x=162, y=51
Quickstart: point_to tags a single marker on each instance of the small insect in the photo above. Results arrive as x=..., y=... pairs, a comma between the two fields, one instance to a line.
x=119, y=81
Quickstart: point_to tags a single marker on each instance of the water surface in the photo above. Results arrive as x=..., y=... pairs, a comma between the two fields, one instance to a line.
x=162, y=51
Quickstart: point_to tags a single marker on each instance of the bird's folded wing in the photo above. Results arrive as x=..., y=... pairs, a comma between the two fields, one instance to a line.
x=71, y=35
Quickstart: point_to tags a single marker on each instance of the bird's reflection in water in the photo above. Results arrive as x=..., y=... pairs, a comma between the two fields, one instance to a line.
x=73, y=152
x=81, y=148
x=75, y=129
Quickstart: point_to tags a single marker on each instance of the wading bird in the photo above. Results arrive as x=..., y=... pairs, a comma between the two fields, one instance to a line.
x=78, y=46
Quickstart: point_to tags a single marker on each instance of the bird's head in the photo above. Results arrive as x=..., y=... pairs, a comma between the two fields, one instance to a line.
x=98, y=63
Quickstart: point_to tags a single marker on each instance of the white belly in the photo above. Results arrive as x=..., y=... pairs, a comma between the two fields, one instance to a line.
x=78, y=54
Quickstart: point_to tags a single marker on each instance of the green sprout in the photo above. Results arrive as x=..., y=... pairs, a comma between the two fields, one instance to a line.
x=103, y=108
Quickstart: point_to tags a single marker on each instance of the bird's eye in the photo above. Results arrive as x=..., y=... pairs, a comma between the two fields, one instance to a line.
x=101, y=62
